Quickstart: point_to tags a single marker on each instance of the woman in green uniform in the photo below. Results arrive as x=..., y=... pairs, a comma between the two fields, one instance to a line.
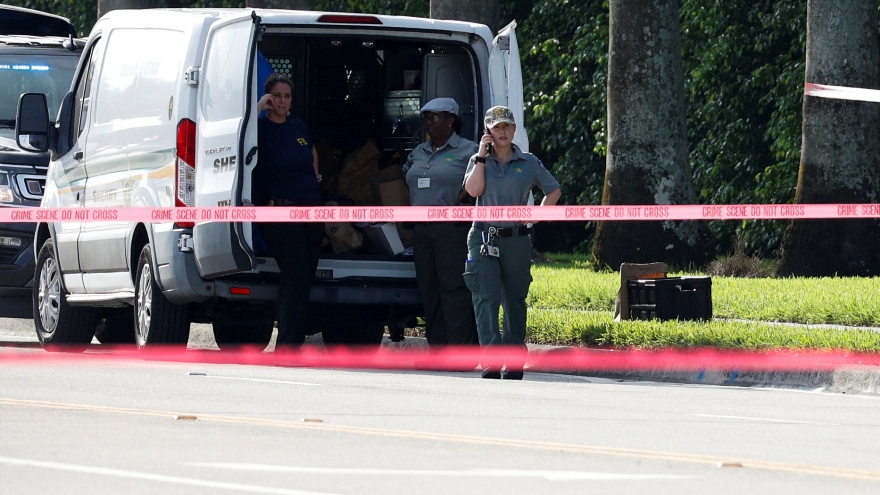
x=498, y=268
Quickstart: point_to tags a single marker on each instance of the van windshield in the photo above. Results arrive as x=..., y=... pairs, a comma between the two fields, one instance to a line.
x=49, y=74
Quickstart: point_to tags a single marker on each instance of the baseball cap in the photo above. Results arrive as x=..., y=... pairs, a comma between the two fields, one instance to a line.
x=497, y=115
x=438, y=105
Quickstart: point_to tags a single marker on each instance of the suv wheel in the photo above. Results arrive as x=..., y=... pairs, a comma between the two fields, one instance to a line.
x=60, y=326
x=156, y=319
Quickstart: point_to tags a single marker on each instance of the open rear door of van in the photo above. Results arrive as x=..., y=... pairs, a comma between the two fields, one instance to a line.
x=505, y=79
x=226, y=142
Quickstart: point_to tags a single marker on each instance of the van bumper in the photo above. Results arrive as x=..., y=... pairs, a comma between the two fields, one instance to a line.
x=348, y=292
x=178, y=275
x=373, y=293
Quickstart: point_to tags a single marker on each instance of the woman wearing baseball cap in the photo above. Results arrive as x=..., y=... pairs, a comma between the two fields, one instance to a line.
x=498, y=267
x=434, y=173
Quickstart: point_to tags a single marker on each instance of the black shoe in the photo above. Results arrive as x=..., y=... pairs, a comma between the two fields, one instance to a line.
x=490, y=373
x=512, y=375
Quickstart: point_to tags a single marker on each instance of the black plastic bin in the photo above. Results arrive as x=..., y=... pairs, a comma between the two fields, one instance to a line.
x=681, y=298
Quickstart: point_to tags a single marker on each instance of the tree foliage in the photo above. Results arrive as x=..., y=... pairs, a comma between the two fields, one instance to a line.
x=744, y=69
x=82, y=13
x=744, y=63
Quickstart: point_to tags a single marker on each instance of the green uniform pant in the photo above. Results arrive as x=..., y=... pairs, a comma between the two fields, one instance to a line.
x=499, y=282
x=439, y=250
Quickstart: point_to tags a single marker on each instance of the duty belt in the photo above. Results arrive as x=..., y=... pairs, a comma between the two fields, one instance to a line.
x=507, y=231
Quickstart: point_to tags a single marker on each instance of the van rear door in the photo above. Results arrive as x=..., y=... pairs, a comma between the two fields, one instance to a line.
x=226, y=141
x=505, y=80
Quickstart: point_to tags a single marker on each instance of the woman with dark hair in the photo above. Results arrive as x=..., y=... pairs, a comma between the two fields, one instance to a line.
x=286, y=174
x=434, y=174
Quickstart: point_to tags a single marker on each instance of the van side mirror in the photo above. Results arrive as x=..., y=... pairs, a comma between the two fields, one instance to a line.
x=32, y=123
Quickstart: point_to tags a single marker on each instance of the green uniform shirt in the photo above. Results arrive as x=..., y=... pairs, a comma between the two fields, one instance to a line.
x=511, y=184
x=434, y=178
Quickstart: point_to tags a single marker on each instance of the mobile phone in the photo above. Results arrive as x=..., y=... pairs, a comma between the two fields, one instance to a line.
x=488, y=146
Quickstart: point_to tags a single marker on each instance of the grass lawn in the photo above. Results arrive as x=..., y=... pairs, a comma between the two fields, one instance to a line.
x=570, y=304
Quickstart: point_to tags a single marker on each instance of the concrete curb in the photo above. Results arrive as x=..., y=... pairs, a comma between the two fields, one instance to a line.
x=854, y=380
x=860, y=380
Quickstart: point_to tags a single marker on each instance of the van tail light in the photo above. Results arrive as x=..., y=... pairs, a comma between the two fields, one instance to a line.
x=186, y=168
x=349, y=19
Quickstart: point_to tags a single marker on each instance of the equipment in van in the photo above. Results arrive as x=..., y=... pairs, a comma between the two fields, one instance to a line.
x=162, y=113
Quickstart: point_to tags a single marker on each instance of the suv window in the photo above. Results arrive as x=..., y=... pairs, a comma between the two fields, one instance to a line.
x=40, y=71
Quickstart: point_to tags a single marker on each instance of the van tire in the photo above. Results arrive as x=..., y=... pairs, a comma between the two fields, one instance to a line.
x=156, y=319
x=255, y=332
x=60, y=326
x=116, y=330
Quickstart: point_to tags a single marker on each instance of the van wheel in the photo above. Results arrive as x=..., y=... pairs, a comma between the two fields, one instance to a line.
x=156, y=319
x=60, y=326
x=237, y=331
x=116, y=330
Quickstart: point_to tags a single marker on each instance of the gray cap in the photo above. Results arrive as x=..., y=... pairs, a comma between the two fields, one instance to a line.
x=438, y=105
x=497, y=115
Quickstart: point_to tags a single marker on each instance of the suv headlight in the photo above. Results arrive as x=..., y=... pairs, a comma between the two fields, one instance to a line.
x=6, y=194
x=10, y=241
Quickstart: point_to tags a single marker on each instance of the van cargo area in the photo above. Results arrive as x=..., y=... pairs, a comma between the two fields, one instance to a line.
x=361, y=97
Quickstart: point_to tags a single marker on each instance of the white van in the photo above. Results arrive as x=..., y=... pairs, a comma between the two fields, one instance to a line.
x=162, y=96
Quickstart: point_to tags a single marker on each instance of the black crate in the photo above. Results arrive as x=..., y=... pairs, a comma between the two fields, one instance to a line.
x=681, y=298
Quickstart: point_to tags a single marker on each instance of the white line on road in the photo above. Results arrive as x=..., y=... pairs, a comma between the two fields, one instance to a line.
x=747, y=418
x=119, y=473
x=258, y=380
x=493, y=473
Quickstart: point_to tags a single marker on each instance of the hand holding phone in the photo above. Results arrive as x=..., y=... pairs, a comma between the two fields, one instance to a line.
x=488, y=145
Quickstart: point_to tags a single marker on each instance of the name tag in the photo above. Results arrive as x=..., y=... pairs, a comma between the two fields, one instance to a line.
x=424, y=182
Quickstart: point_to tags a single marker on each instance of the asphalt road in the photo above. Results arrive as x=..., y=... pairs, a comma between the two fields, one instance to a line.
x=143, y=427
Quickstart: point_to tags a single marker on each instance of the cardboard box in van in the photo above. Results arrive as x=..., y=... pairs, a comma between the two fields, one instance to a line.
x=163, y=95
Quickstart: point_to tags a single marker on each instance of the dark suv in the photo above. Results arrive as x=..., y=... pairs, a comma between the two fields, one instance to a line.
x=38, y=53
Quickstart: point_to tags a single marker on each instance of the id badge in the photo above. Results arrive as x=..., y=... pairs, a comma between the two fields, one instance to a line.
x=424, y=182
x=490, y=251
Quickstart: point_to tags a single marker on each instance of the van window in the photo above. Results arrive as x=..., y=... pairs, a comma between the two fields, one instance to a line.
x=84, y=87
x=139, y=75
x=224, y=80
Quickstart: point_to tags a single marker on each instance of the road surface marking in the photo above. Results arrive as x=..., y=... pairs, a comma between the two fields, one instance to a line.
x=710, y=460
x=258, y=380
x=492, y=473
x=747, y=418
x=120, y=473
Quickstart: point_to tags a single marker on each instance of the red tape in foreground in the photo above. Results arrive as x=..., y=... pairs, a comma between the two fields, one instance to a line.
x=568, y=359
x=442, y=213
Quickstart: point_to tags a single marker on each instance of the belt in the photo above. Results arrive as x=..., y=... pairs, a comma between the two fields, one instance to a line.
x=507, y=231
